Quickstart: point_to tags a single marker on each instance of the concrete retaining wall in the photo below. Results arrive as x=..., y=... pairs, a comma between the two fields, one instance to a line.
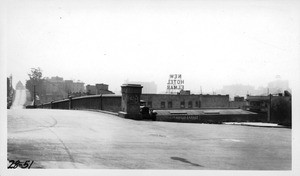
x=63, y=104
x=110, y=103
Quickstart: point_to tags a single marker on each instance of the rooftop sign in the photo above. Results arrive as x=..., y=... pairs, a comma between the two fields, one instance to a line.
x=175, y=83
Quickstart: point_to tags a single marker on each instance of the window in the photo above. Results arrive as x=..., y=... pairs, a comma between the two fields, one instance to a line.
x=163, y=104
x=190, y=105
x=198, y=104
x=182, y=104
x=170, y=104
x=150, y=104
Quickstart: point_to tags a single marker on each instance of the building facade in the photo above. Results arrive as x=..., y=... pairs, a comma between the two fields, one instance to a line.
x=278, y=86
x=98, y=89
x=258, y=104
x=10, y=92
x=56, y=88
x=183, y=101
x=73, y=87
x=278, y=107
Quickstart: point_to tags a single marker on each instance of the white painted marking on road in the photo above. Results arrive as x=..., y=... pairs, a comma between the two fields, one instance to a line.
x=233, y=140
x=159, y=135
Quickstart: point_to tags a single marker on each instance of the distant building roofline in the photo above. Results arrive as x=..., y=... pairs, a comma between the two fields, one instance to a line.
x=131, y=85
x=258, y=98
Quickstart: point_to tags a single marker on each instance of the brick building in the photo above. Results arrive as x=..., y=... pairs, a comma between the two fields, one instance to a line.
x=238, y=102
x=278, y=107
x=71, y=86
x=56, y=88
x=258, y=103
x=98, y=89
x=183, y=101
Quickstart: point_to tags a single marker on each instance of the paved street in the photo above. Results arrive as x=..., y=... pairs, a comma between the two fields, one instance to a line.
x=85, y=139
x=20, y=99
x=82, y=139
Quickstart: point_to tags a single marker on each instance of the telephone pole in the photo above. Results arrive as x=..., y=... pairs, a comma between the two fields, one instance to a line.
x=269, y=108
x=34, y=96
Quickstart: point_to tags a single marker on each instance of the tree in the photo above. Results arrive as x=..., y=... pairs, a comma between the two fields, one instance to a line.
x=281, y=110
x=35, y=80
x=36, y=74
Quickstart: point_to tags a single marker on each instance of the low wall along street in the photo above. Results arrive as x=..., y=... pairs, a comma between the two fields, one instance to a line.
x=110, y=103
x=124, y=106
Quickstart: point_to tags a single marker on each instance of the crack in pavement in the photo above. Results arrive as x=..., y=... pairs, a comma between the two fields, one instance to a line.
x=60, y=140
x=65, y=147
x=37, y=129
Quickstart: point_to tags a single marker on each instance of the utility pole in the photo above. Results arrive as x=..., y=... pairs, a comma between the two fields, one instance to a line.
x=100, y=101
x=34, y=96
x=269, y=108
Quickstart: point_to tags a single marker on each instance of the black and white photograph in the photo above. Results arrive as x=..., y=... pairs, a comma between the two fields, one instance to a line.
x=149, y=87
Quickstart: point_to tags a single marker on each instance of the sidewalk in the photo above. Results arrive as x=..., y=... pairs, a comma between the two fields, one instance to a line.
x=255, y=124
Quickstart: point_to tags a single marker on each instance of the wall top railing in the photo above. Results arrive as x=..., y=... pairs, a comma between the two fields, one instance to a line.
x=59, y=101
x=84, y=97
x=95, y=96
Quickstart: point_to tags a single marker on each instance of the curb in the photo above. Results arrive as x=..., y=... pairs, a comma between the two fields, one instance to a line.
x=253, y=125
x=105, y=112
x=266, y=126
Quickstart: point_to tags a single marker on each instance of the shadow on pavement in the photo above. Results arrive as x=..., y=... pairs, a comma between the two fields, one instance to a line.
x=185, y=161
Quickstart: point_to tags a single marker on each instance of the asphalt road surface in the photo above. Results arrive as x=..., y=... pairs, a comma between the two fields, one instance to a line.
x=20, y=99
x=84, y=139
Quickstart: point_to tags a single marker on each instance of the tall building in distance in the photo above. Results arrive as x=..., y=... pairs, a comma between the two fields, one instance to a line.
x=56, y=88
x=238, y=90
x=274, y=87
x=148, y=87
x=72, y=86
x=278, y=85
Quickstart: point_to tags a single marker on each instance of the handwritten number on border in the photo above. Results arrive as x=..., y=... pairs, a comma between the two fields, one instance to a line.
x=15, y=164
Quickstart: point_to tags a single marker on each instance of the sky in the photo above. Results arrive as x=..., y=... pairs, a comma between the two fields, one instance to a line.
x=210, y=43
